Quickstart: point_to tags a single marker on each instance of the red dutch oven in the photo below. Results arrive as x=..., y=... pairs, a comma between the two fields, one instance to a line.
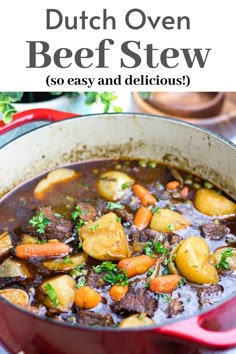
x=112, y=135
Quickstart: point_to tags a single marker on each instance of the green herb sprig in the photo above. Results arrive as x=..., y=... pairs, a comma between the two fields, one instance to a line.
x=40, y=222
x=223, y=264
x=50, y=291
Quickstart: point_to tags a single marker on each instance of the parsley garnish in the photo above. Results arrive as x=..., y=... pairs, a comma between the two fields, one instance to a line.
x=182, y=282
x=156, y=209
x=105, y=266
x=38, y=241
x=166, y=298
x=78, y=211
x=154, y=247
x=67, y=259
x=79, y=224
x=171, y=227
x=113, y=275
x=40, y=222
x=223, y=264
x=93, y=227
x=82, y=282
x=126, y=185
x=51, y=294
x=112, y=205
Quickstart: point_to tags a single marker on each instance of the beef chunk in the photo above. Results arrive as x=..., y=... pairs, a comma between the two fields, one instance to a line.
x=137, y=300
x=146, y=235
x=175, y=307
x=92, y=319
x=214, y=231
x=124, y=215
x=210, y=294
x=88, y=212
x=58, y=228
x=95, y=280
x=173, y=239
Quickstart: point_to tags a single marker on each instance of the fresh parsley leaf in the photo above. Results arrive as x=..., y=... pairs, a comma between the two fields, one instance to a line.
x=159, y=248
x=79, y=224
x=148, y=248
x=40, y=222
x=171, y=227
x=114, y=278
x=67, y=259
x=166, y=298
x=223, y=264
x=126, y=185
x=51, y=294
x=156, y=209
x=182, y=282
x=93, y=227
x=77, y=212
x=82, y=282
x=112, y=205
x=105, y=266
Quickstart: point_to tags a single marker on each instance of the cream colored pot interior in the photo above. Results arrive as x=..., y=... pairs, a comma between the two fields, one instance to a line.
x=167, y=140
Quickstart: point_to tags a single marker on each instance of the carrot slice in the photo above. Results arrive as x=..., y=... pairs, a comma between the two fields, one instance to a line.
x=26, y=251
x=136, y=265
x=142, y=217
x=87, y=298
x=144, y=195
x=164, y=283
x=172, y=185
x=117, y=292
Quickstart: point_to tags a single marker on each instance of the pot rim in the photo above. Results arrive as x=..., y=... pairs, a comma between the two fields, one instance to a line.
x=128, y=114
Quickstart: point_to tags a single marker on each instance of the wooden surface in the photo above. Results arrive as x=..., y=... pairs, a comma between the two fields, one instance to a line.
x=224, y=123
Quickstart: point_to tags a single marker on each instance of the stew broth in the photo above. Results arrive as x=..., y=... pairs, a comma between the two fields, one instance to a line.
x=102, y=214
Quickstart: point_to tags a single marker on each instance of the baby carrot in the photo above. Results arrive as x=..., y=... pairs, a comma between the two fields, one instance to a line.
x=164, y=283
x=136, y=265
x=117, y=292
x=142, y=217
x=172, y=185
x=29, y=250
x=144, y=195
x=87, y=298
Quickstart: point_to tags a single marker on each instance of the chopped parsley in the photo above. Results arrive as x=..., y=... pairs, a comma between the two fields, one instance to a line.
x=155, y=248
x=166, y=298
x=112, y=205
x=67, y=260
x=223, y=264
x=77, y=212
x=106, y=266
x=126, y=185
x=156, y=209
x=171, y=227
x=113, y=275
x=182, y=282
x=51, y=294
x=82, y=282
x=40, y=222
x=93, y=227
x=79, y=224
x=38, y=241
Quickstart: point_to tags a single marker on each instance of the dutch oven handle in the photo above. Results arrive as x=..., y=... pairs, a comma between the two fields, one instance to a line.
x=33, y=115
x=205, y=329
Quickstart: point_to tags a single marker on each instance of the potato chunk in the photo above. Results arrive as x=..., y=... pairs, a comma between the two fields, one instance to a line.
x=67, y=263
x=14, y=268
x=5, y=243
x=193, y=261
x=55, y=176
x=16, y=296
x=136, y=320
x=166, y=220
x=58, y=293
x=208, y=202
x=111, y=184
x=105, y=239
